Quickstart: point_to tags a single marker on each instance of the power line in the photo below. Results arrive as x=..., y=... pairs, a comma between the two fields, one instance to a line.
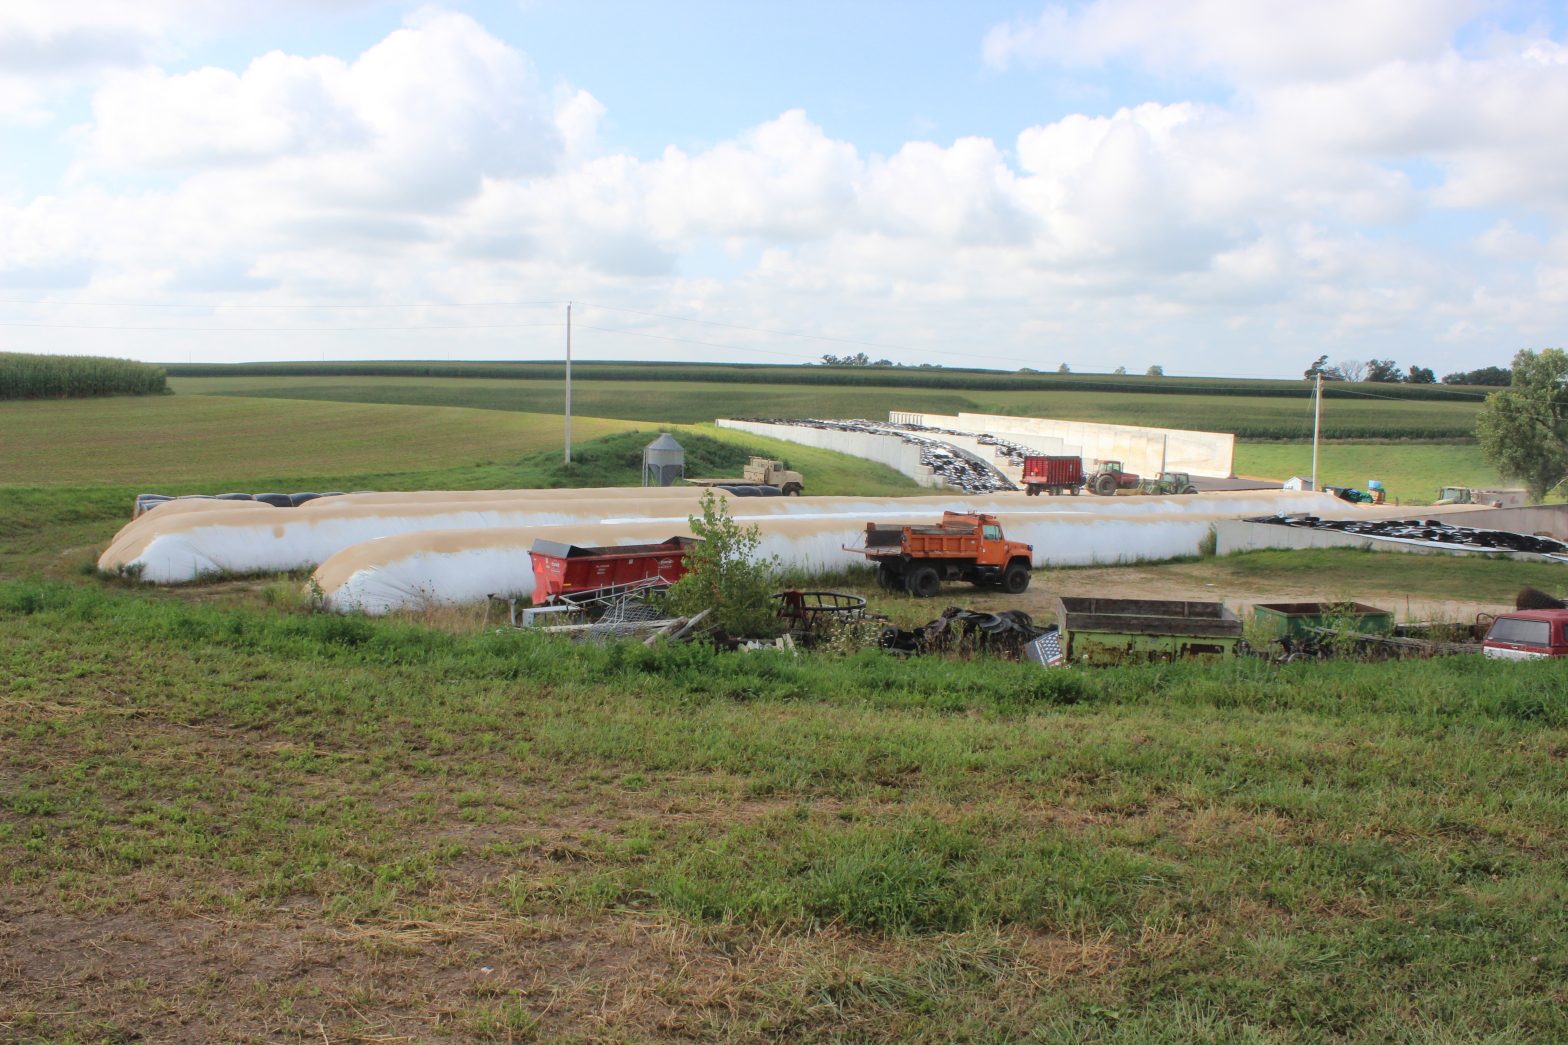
x=226, y=306
x=284, y=330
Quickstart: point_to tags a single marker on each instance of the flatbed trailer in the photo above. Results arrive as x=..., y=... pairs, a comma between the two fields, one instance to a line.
x=760, y=477
x=1116, y=631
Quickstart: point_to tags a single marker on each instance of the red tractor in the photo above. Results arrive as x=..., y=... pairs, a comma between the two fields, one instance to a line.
x=1108, y=477
x=917, y=559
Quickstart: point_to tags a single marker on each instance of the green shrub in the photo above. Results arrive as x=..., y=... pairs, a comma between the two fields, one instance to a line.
x=724, y=572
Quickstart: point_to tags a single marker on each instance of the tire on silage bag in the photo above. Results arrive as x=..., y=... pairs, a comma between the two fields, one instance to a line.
x=277, y=500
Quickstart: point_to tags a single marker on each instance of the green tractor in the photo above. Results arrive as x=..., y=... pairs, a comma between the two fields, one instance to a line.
x=1167, y=483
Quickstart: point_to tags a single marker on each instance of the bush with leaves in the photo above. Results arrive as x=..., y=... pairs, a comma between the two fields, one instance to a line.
x=1523, y=429
x=725, y=572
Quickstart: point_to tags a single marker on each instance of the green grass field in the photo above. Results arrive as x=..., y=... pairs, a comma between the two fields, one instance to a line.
x=1270, y=416
x=237, y=823
x=1412, y=472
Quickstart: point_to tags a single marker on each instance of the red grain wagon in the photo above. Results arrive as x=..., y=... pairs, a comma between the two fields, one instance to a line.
x=1054, y=475
x=569, y=571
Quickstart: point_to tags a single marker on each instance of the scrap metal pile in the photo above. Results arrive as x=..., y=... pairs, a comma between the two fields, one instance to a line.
x=955, y=467
x=1426, y=532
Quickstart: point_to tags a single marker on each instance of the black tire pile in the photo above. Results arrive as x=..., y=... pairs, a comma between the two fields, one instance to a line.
x=1430, y=531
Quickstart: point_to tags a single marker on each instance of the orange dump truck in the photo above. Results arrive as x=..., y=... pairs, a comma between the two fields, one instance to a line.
x=917, y=559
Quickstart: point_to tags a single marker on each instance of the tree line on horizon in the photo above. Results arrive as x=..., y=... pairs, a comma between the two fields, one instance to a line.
x=1386, y=371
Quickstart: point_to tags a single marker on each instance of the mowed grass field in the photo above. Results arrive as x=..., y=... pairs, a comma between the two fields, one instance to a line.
x=1411, y=472
x=243, y=822
x=1250, y=417
x=171, y=439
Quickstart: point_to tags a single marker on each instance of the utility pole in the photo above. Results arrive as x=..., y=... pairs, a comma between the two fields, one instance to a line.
x=569, y=386
x=1317, y=412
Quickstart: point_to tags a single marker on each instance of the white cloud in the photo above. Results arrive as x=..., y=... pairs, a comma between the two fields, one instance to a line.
x=49, y=48
x=415, y=122
x=1263, y=40
x=434, y=165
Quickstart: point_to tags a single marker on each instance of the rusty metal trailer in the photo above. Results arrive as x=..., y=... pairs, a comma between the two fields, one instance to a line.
x=1053, y=474
x=1115, y=631
x=572, y=571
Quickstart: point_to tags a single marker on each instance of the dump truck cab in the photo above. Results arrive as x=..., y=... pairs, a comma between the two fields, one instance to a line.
x=963, y=546
x=1527, y=635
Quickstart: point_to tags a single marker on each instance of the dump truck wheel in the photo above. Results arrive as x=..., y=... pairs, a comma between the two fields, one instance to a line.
x=1105, y=485
x=888, y=579
x=791, y=489
x=1016, y=579
x=922, y=582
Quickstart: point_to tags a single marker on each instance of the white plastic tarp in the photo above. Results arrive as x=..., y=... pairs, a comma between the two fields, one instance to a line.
x=182, y=547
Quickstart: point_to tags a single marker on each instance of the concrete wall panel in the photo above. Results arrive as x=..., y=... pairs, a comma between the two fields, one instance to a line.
x=1139, y=448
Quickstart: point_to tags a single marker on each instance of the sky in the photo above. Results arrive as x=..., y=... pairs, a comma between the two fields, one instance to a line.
x=1216, y=187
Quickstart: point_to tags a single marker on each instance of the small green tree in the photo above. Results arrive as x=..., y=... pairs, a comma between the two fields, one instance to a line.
x=1523, y=429
x=725, y=572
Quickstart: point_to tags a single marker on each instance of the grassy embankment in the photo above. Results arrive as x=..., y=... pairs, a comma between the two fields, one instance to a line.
x=249, y=824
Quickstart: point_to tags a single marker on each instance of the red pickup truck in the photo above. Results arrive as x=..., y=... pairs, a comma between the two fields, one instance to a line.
x=917, y=559
x=1527, y=634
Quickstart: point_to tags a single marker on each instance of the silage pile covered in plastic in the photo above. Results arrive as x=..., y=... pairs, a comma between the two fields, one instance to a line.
x=377, y=553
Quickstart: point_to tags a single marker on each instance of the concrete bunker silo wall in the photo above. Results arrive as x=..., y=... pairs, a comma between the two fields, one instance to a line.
x=1139, y=448
x=890, y=450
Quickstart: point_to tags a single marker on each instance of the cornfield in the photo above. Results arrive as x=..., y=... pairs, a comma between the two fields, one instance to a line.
x=25, y=376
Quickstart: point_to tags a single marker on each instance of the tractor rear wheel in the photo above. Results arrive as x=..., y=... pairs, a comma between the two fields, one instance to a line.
x=923, y=582
x=1016, y=579
x=1105, y=485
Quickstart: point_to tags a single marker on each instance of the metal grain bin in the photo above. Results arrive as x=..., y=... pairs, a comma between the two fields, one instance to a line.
x=663, y=461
